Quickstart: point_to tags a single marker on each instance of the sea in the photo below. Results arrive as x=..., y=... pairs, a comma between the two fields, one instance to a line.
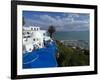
x=73, y=38
x=72, y=35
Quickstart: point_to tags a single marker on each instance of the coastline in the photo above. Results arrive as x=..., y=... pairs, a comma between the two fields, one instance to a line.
x=83, y=44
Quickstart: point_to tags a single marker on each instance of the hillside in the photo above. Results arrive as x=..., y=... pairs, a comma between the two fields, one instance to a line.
x=69, y=56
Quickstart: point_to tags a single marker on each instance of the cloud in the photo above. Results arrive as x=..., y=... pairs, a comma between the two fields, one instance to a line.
x=47, y=18
x=73, y=15
x=62, y=23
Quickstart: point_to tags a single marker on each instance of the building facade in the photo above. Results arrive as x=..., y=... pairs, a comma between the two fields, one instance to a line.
x=33, y=38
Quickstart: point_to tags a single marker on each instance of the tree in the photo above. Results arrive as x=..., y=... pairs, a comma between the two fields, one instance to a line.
x=51, y=30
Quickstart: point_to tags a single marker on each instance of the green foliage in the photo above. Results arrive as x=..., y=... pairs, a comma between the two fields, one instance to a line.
x=72, y=57
x=51, y=30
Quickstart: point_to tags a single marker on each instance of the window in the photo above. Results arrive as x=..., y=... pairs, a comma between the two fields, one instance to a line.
x=28, y=36
x=33, y=39
x=28, y=33
x=31, y=28
x=34, y=29
x=39, y=44
x=44, y=34
x=23, y=33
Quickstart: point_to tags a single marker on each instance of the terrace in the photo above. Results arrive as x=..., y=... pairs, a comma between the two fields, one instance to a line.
x=41, y=58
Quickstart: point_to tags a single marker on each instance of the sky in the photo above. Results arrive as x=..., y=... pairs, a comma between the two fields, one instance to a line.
x=60, y=20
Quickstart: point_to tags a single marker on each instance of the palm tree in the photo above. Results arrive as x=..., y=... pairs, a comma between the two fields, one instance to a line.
x=51, y=30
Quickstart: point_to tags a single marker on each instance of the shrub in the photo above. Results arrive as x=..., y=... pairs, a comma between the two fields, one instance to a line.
x=71, y=57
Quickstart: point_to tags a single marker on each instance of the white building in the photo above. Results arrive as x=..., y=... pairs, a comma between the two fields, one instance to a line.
x=34, y=38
